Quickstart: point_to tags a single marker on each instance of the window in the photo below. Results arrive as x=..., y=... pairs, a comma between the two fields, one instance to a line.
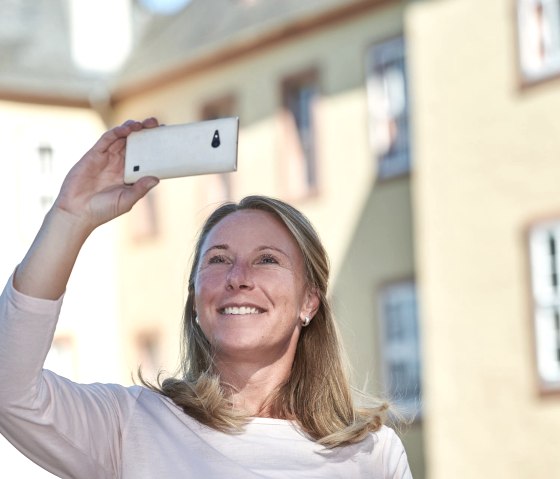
x=299, y=95
x=221, y=108
x=400, y=347
x=388, y=107
x=144, y=218
x=148, y=348
x=46, y=179
x=45, y=159
x=38, y=178
x=544, y=245
x=219, y=187
x=539, y=37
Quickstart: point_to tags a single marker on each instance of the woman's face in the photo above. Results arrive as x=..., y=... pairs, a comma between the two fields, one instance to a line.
x=250, y=289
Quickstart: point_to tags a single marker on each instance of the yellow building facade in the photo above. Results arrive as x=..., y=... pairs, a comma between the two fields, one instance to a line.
x=419, y=138
x=487, y=163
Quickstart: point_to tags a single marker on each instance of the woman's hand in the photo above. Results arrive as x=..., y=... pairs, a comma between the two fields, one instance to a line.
x=93, y=192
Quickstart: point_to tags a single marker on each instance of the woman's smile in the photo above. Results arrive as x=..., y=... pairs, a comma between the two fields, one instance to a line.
x=240, y=310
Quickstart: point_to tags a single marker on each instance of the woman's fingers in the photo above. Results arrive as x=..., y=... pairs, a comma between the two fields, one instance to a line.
x=132, y=194
x=150, y=122
x=113, y=202
x=114, y=134
x=122, y=131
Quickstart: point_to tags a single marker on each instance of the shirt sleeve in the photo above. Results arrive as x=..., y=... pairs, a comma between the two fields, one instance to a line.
x=394, y=458
x=68, y=429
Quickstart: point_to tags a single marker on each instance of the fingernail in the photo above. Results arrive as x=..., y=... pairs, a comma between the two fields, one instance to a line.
x=153, y=182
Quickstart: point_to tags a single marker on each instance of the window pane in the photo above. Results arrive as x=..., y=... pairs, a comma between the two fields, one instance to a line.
x=148, y=346
x=219, y=186
x=539, y=37
x=545, y=266
x=388, y=107
x=45, y=168
x=400, y=345
x=300, y=94
x=548, y=339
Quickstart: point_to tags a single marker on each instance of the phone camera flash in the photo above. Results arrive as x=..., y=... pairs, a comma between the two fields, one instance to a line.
x=216, y=139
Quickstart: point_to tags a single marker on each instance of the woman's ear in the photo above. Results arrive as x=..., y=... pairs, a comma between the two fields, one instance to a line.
x=311, y=304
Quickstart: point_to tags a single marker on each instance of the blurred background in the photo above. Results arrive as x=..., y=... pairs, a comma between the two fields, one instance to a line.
x=421, y=138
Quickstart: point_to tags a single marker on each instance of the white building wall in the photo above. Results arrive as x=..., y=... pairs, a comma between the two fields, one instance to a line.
x=89, y=327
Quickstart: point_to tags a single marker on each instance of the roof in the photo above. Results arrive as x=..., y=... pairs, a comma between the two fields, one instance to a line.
x=35, y=55
x=36, y=61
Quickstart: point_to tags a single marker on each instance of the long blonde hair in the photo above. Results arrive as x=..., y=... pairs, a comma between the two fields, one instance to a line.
x=317, y=395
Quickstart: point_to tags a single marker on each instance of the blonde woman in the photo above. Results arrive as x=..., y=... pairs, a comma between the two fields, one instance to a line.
x=263, y=391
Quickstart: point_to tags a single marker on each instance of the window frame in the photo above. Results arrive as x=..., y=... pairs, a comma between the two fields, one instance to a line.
x=410, y=409
x=379, y=128
x=219, y=107
x=310, y=182
x=45, y=167
x=551, y=66
x=545, y=387
x=148, y=349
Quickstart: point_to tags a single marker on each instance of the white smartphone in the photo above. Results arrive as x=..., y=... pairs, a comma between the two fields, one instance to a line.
x=172, y=151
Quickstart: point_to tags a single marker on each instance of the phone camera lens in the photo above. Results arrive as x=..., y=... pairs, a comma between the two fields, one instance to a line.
x=216, y=139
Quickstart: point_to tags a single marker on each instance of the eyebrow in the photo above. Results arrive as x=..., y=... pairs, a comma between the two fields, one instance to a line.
x=217, y=246
x=273, y=248
x=260, y=248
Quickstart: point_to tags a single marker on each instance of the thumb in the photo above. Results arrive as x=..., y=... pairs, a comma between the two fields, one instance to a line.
x=145, y=184
x=139, y=190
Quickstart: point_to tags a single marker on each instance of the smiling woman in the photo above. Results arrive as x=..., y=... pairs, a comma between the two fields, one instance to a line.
x=265, y=255
x=263, y=391
x=251, y=299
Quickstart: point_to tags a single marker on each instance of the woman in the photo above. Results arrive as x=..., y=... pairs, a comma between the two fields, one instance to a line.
x=263, y=392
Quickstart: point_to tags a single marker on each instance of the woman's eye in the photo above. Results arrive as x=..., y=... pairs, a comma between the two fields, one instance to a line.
x=268, y=259
x=218, y=259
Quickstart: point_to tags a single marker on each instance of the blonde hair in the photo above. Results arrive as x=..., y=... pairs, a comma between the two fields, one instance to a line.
x=317, y=395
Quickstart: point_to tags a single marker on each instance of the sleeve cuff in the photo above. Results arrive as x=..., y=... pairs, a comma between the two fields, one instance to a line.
x=29, y=304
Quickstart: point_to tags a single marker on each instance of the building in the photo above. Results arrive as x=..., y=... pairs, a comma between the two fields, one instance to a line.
x=485, y=208
x=419, y=139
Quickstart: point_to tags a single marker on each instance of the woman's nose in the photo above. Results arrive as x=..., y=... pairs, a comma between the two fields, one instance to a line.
x=239, y=277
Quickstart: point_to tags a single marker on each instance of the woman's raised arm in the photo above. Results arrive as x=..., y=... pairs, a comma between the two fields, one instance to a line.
x=92, y=193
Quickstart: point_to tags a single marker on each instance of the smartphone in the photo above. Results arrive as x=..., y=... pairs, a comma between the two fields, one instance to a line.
x=172, y=151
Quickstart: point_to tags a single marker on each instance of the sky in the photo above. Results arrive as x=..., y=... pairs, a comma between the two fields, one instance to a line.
x=108, y=52
x=164, y=6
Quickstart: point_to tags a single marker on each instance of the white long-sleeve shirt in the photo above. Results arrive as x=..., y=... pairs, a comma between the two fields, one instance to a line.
x=111, y=431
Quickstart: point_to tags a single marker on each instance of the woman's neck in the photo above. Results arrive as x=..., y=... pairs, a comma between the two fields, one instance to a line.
x=252, y=386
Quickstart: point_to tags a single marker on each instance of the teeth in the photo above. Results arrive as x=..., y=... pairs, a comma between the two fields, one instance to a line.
x=241, y=310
